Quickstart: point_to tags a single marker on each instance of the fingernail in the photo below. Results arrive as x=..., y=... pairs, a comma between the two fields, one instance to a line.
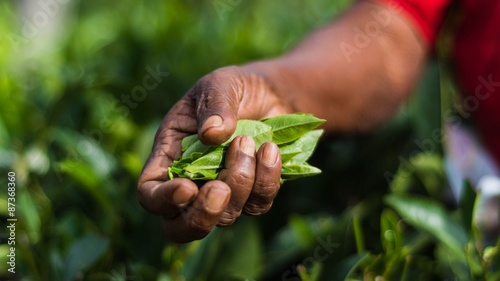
x=213, y=121
x=247, y=145
x=270, y=155
x=216, y=198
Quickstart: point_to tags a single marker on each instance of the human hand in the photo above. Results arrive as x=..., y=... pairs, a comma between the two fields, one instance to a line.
x=248, y=183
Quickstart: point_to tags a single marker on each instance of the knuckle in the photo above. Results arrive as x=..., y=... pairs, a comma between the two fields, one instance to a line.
x=268, y=176
x=202, y=227
x=266, y=189
x=209, y=212
x=241, y=176
x=227, y=219
x=244, y=175
x=244, y=166
x=255, y=209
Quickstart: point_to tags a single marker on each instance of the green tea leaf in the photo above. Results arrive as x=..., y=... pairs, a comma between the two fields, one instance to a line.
x=195, y=147
x=259, y=131
x=293, y=171
x=209, y=161
x=177, y=168
x=289, y=127
x=188, y=141
x=305, y=145
x=287, y=156
x=297, y=143
x=202, y=174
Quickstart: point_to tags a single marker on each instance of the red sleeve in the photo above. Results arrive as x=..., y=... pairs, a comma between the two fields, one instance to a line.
x=426, y=15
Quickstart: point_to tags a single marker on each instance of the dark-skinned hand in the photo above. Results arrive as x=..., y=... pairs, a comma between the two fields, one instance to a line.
x=249, y=181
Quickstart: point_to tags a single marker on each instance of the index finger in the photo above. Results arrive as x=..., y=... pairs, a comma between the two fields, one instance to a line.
x=156, y=193
x=217, y=98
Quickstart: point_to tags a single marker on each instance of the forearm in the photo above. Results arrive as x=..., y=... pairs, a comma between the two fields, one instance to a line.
x=354, y=72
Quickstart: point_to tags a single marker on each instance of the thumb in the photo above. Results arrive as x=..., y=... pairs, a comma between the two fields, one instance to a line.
x=217, y=104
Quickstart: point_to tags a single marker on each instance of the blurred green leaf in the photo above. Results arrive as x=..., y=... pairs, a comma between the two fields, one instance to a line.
x=453, y=265
x=466, y=204
x=390, y=232
x=84, y=149
x=424, y=168
x=37, y=160
x=4, y=134
x=226, y=254
x=346, y=267
x=132, y=163
x=83, y=253
x=7, y=158
x=4, y=260
x=301, y=229
x=57, y=263
x=299, y=238
x=31, y=215
x=82, y=173
x=4, y=212
x=429, y=170
x=88, y=181
x=492, y=259
x=431, y=217
x=310, y=273
x=241, y=253
x=197, y=266
x=427, y=99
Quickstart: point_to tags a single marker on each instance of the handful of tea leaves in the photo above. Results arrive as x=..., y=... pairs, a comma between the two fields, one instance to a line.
x=293, y=133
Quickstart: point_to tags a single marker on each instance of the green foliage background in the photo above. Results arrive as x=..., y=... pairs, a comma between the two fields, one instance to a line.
x=77, y=147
